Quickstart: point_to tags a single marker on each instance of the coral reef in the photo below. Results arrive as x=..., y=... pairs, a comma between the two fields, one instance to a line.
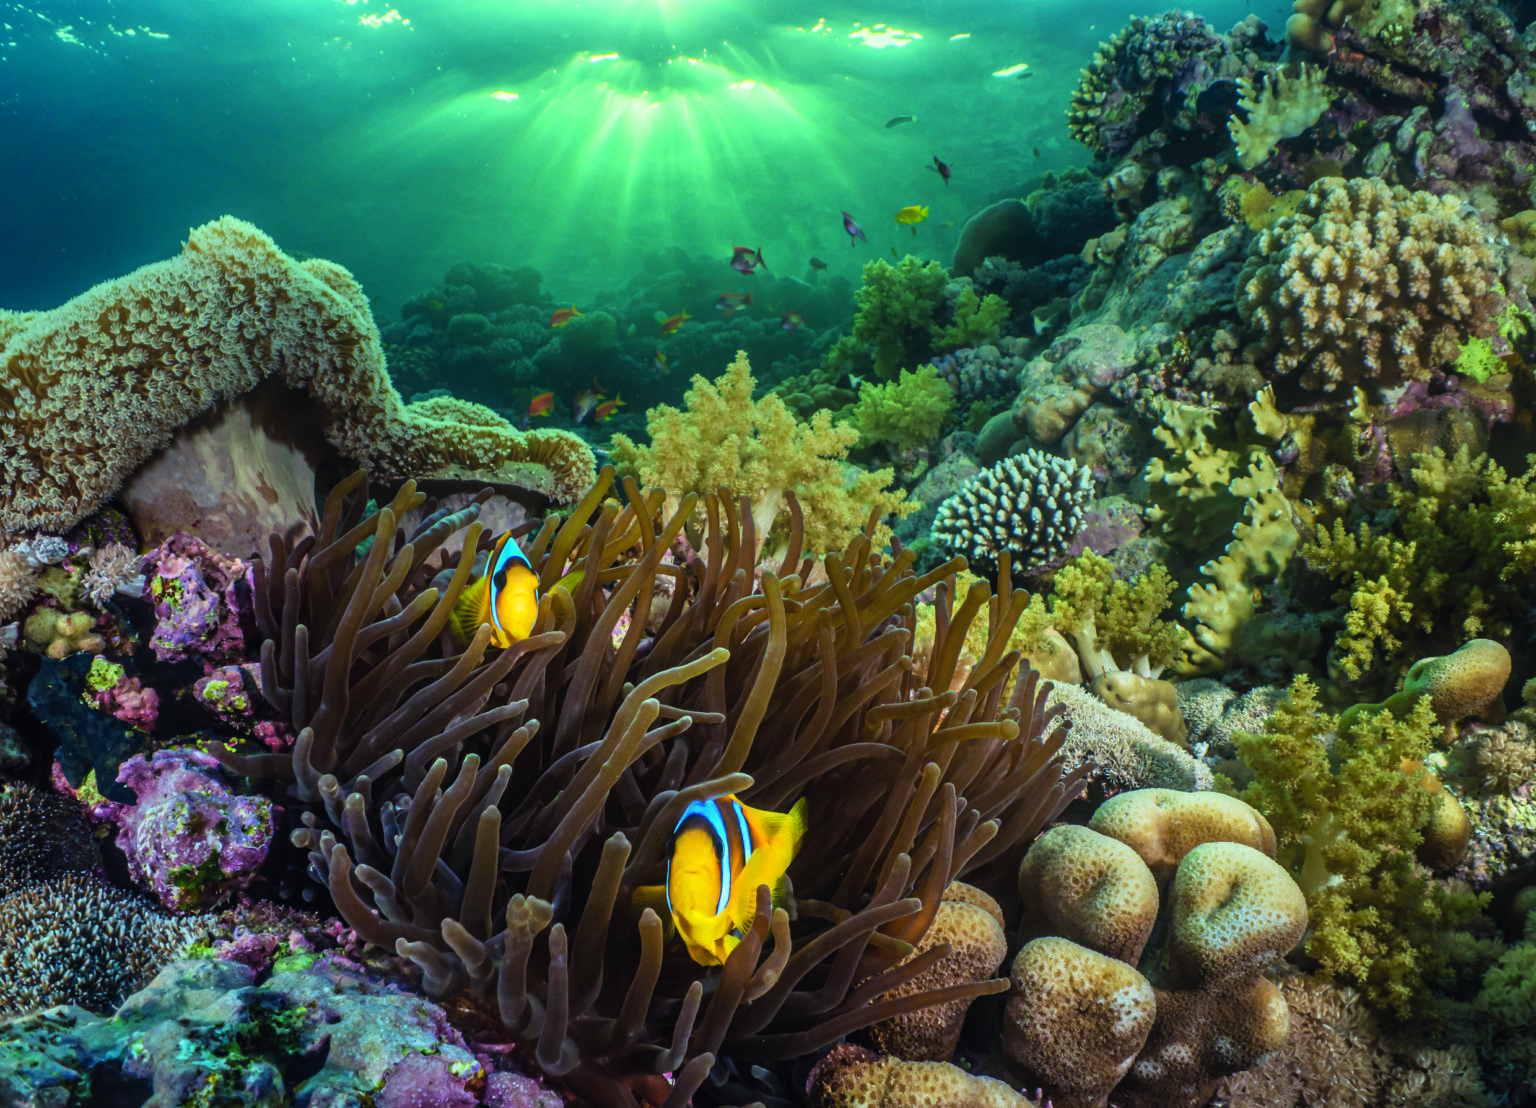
x=1028, y=506
x=757, y=448
x=852, y=1077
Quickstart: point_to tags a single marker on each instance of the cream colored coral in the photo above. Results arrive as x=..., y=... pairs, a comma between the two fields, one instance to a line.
x=114, y=569
x=89, y=390
x=1369, y=280
x=1164, y=825
x=1093, y=888
x=971, y=922
x=1286, y=105
x=18, y=582
x=757, y=448
x=851, y=1077
x=1123, y=752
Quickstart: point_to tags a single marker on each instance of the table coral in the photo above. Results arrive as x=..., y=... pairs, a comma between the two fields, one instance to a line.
x=1094, y=1014
x=757, y=448
x=1368, y=283
x=90, y=390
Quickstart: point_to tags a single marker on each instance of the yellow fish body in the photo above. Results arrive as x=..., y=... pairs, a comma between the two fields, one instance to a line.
x=507, y=597
x=720, y=852
x=913, y=213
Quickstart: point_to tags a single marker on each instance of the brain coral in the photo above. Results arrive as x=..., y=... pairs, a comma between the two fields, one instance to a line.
x=1370, y=281
x=90, y=390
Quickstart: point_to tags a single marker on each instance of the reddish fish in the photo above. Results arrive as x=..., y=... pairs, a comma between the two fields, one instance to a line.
x=733, y=302
x=745, y=260
x=670, y=325
x=855, y=232
x=563, y=316
x=604, y=411
x=791, y=321
x=541, y=404
x=944, y=170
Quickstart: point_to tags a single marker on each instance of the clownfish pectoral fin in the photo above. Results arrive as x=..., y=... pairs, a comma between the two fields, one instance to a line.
x=470, y=611
x=653, y=897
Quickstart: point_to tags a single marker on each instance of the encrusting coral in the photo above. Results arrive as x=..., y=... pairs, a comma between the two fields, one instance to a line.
x=724, y=438
x=1093, y=1014
x=89, y=390
x=517, y=886
x=1370, y=284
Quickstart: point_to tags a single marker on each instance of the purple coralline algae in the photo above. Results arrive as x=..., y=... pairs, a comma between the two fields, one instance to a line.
x=197, y=607
x=224, y=692
x=109, y=688
x=320, y=1032
x=188, y=839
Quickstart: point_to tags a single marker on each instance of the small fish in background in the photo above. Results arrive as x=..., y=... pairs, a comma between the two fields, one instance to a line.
x=604, y=411
x=586, y=402
x=1035, y=150
x=433, y=305
x=563, y=316
x=719, y=853
x=893, y=253
x=1025, y=75
x=912, y=215
x=506, y=597
x=670, y=325
x=899, y=120
x=732, y=302
x=791, y=321
x=659, y=363
x=540, y=405
x=745, y=260
x=855, y=232
x=816, y=263
x=942, y=169
x=854, y=381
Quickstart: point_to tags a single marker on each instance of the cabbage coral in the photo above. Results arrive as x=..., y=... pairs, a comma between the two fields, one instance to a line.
x=757, y=448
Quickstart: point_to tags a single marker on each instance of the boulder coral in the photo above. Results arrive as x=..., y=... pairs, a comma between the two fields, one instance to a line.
x=1094, y=1013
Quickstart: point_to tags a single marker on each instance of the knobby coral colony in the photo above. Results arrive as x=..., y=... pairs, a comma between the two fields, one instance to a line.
x=489, y=814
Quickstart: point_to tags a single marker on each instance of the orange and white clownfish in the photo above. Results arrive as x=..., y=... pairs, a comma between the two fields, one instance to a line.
x=719, y=853
x=506, y=597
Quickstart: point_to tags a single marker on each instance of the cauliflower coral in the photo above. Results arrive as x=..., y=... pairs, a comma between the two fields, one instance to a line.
x=758, y=448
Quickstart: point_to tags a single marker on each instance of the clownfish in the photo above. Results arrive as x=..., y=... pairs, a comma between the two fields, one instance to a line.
x=718, y=855
x=507, y=597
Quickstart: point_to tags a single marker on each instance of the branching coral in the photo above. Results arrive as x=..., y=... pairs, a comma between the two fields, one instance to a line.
x=898, y=306
x=1028, y=506
x=1348, y=822
x=1116, y=624
x=906, y=413
x=489, y=814
x=1286, y=105
x=757, y=448
x=1457, y=563
x=90, y=390
x=1368, y=282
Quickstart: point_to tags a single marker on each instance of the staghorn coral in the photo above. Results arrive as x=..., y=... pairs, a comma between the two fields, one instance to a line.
x=1094, y=1014
x=90, y=390
x=1286, y=105
x=516, y=886
x=74, y=939
x=757, y=448
x=1348, y=820
x=1455, y=561
x=1368, y=283
x=1028, y=506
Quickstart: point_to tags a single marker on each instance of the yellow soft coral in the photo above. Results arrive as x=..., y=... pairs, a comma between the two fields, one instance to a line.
x=906, y=413
x=759, y=449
